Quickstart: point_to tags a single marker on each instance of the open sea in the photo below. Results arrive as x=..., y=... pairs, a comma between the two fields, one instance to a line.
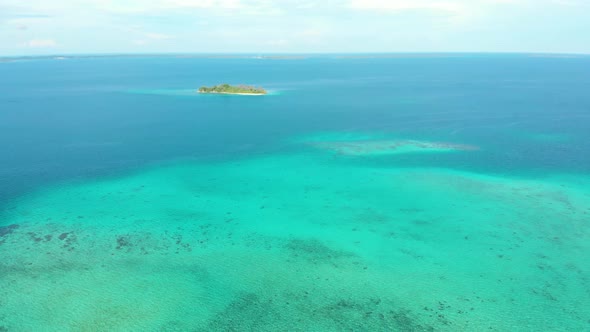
x=364, y=193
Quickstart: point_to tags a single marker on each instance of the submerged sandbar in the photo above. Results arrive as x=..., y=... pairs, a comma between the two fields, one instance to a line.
x=358, y=148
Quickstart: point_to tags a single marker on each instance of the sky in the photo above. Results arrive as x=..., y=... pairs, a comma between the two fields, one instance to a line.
x=40, y=27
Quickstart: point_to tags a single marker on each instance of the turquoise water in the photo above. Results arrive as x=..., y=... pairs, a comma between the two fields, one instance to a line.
x=395, y=194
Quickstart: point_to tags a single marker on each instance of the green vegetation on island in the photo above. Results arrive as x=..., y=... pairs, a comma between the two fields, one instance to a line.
x=230, y=89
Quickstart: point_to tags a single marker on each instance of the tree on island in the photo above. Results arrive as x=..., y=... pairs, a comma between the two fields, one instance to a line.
x=226, y=88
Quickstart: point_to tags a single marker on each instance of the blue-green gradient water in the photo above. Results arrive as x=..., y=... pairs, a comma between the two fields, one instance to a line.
x=406, y=193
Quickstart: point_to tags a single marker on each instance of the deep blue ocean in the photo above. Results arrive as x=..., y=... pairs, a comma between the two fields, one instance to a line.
x=76, y=127
x=76, y=118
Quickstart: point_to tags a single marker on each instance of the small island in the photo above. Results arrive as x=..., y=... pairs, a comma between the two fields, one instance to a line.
x=233, y=90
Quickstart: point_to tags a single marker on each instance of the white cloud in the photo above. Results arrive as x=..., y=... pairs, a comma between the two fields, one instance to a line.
x=160, y=6
x=447, y=5
x=292, y=25
x=158, y=36
x=278, y=42
x=399, y=5
x=150, y=38
x=227, y=4
x=40, y=43
x=311, y=32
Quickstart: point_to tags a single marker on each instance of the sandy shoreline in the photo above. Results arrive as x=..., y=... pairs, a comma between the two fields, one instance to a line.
x=231, y=93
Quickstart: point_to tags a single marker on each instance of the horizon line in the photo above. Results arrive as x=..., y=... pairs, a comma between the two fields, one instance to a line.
x=270, y=54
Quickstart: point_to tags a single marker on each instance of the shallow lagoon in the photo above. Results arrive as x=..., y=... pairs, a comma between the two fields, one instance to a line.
x=197, y=215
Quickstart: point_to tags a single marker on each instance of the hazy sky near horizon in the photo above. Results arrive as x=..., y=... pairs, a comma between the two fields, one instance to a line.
x=35, y=27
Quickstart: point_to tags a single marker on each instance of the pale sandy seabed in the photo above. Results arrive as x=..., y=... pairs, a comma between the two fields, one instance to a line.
x=299, y=242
